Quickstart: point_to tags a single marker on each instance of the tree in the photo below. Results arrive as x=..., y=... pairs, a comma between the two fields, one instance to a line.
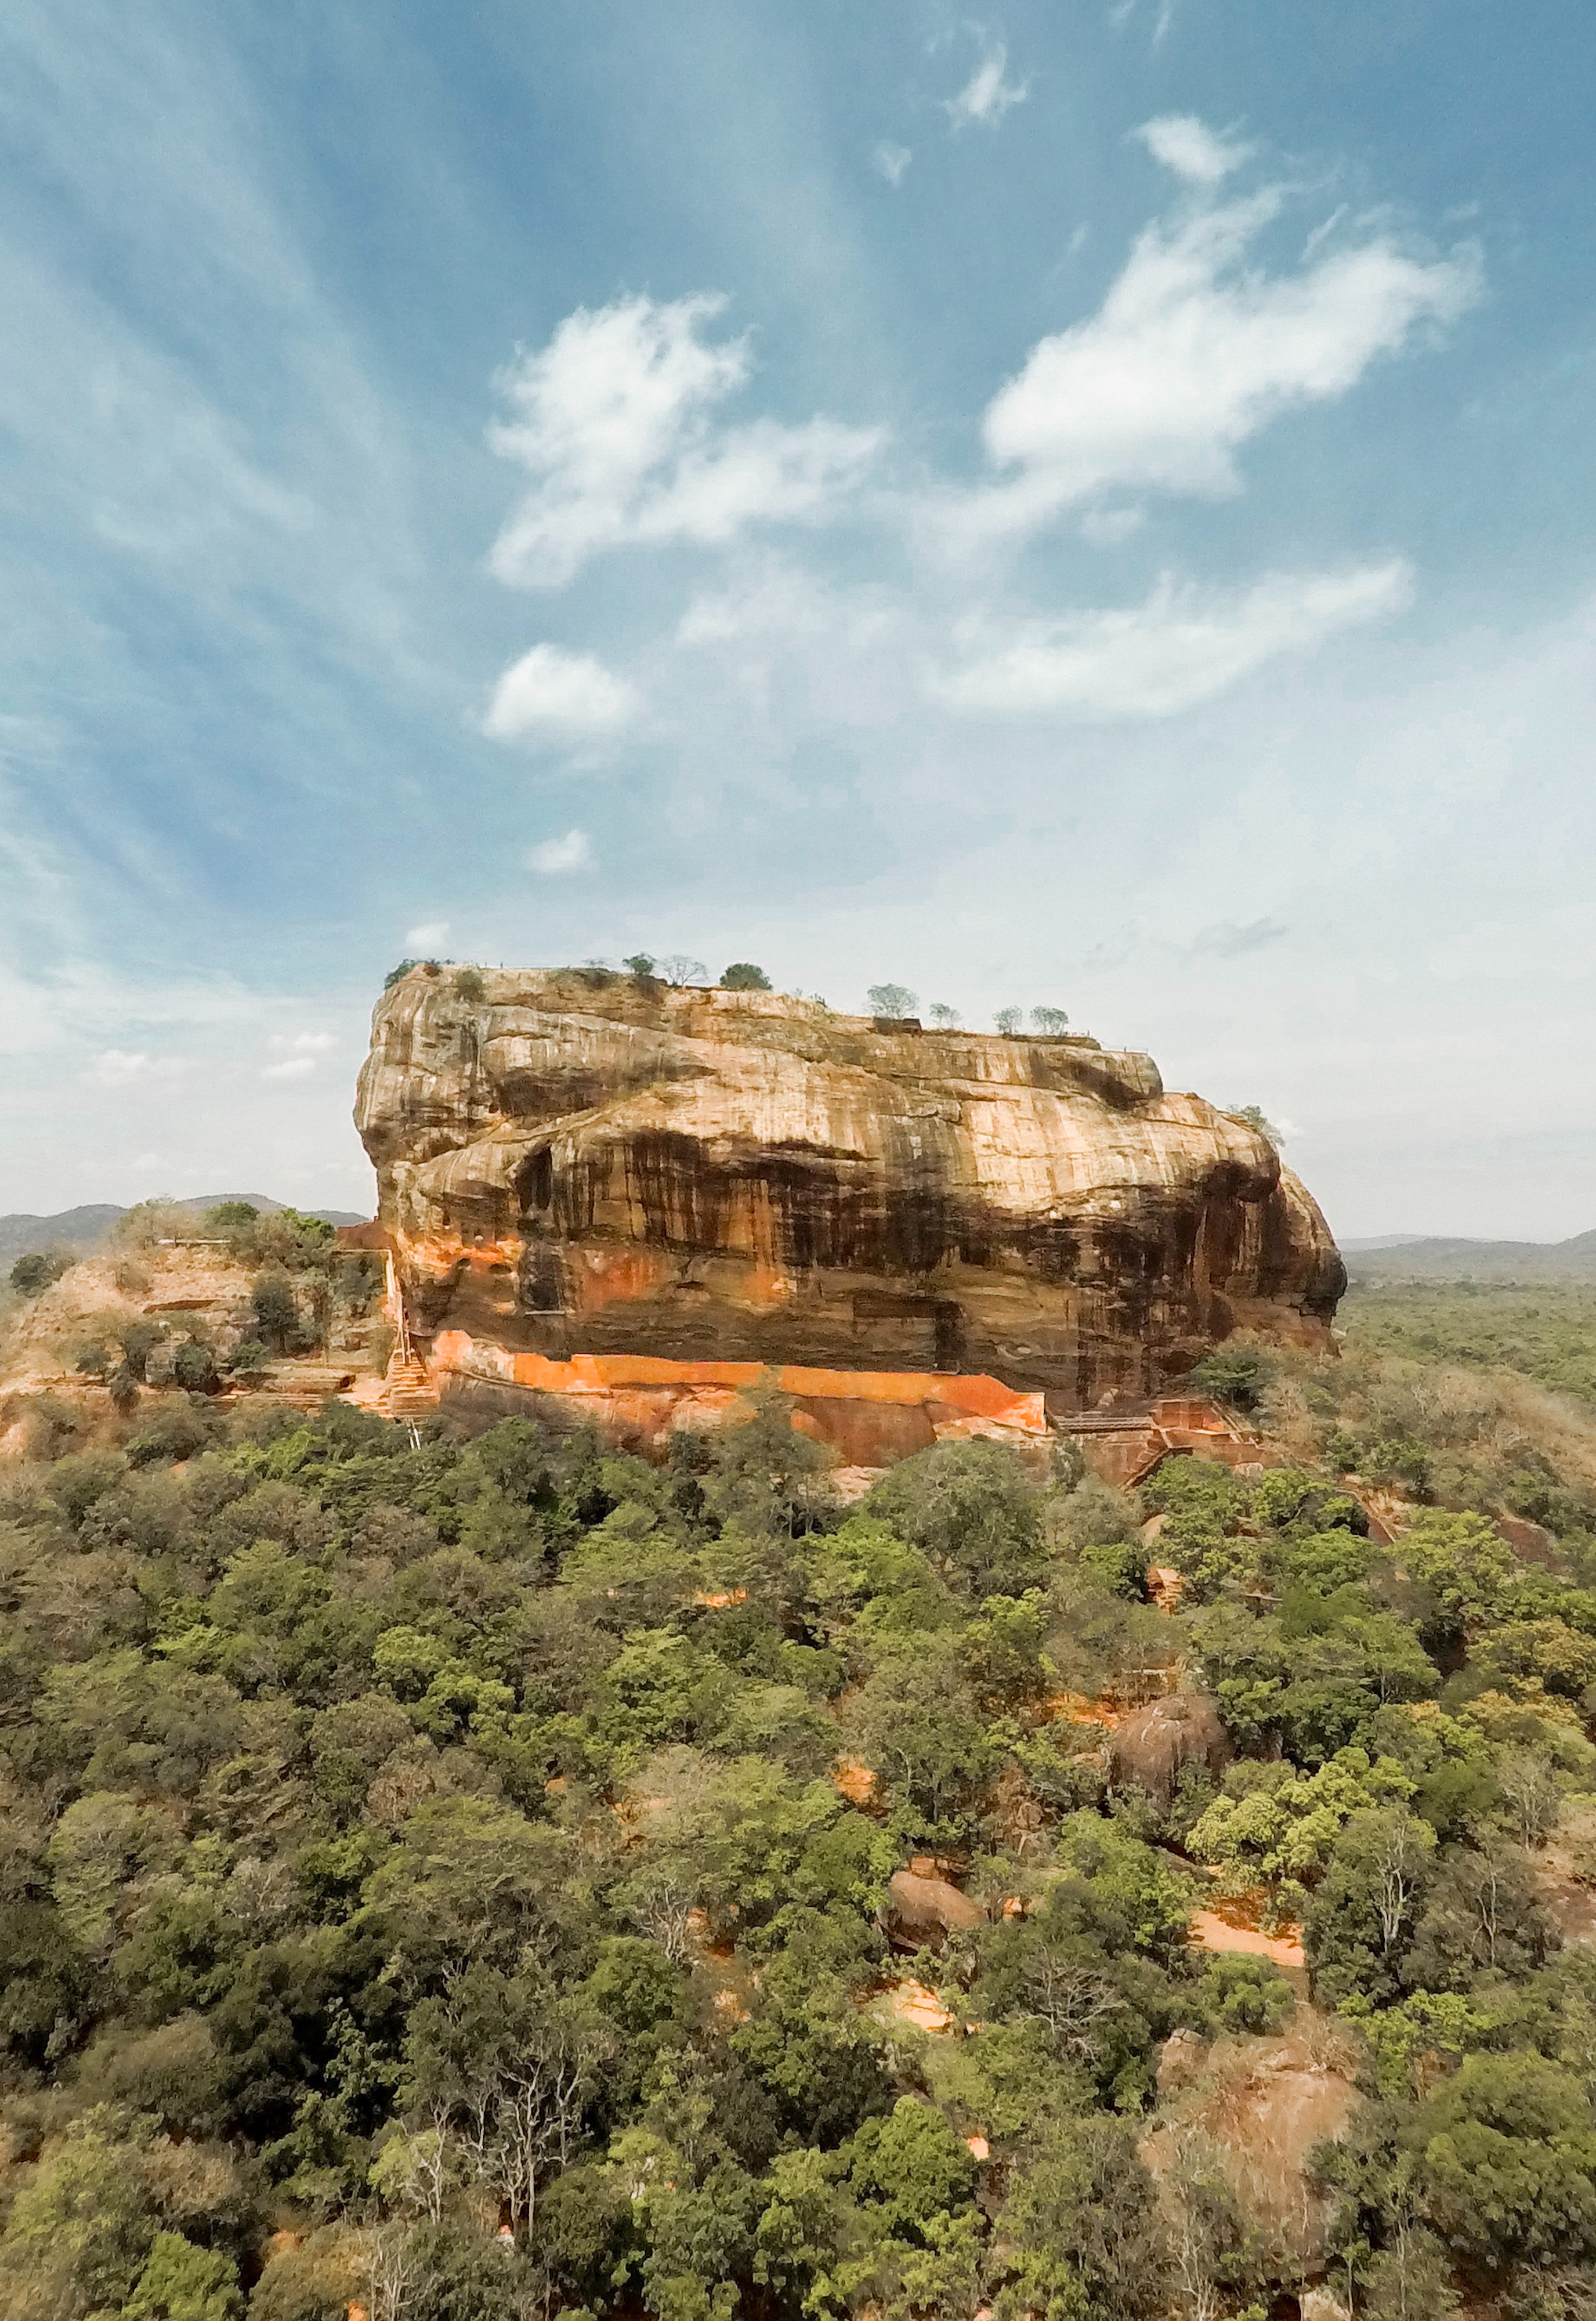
x=1052, y=1022
x=276, y=1313
x=681, y=967
x=1410, y=2279
x=742, y=975
x=972, y=1508
x=1009, y=1020
x=1510, y=2157
x=1532, y=1793
x=34, y=1272
x=194, y=1368
x=180, y=2282
x=1237, y=1375
x=227, y=1215
x=910, y=2167
x=1256, y=1118
x=1082, y=2220
x=504, y=2066
x=893, y=1000
x=944, y=1017
x=395, y=974
x=640, y=967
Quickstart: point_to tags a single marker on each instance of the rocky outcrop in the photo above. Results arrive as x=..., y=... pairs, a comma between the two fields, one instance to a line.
x=925, y=1908
x=571, y=1162
x=1155, y=1744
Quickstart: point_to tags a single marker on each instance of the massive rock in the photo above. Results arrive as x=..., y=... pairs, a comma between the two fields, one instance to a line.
x=574, y=1162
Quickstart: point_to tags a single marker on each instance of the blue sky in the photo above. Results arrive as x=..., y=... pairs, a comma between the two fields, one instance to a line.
x=1087, y=505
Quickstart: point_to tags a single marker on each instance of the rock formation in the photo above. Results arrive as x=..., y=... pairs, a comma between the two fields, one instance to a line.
x=573, y=1162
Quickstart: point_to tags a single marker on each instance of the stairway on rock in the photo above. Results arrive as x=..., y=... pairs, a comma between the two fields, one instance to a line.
x=409, y=1394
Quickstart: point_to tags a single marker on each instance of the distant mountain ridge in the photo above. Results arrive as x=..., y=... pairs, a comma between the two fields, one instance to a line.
x=22, y=1232
x=1437, y=1257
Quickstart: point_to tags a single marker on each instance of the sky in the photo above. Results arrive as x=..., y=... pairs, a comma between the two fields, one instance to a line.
x=1091, y=505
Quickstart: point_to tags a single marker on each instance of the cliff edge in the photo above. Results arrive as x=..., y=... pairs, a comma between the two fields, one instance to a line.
x=576, y=1163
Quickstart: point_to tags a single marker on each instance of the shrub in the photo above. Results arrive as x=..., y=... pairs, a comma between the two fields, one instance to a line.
x=742, y=975
x=227, y=1216
x=139, y=1338
x=176, y=1430
x=34, y=1272
x=395, y=974
x=469, y=984
x=194, y=1368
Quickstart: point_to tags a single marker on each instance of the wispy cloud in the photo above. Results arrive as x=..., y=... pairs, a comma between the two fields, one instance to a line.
x=1191, y=149
x=988, y=94
x=321, y=1043
x=1184, y=646
x=552, y=692
x=292, y=1067
x=891, y=161
x=428, y=935
x=1193, y=351
x=614, y=419
x=115, y=1066
x=557, y=856
x=1234, y=939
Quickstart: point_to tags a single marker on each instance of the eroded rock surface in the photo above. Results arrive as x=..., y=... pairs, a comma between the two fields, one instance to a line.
x=569, y=1163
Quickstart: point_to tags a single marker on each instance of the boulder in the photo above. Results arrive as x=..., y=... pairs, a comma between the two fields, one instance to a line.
x=1151, y=1745
x=927, y=1908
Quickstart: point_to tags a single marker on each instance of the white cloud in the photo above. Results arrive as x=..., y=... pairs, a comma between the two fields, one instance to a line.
x=556, y=856
x=1189, y=355
x=116, y=1067
x=612, y=420
x=1107, y=527
x=549, y=690
x=890, y=161
x=986, y=96
x=115, y=1064
x=293, y=1068
x=426, y=937
x=1184, y=646
x=1191, y=149
x=317, y=1043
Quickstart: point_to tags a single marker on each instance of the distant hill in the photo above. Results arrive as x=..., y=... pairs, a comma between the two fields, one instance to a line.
x=1436, y=1258
x=82, y=1227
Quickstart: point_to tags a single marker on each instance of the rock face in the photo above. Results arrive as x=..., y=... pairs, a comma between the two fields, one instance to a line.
x=571, y=1162
x=1154, y=1746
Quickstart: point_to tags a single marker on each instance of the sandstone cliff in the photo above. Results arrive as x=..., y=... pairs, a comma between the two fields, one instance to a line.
x=571, y=1163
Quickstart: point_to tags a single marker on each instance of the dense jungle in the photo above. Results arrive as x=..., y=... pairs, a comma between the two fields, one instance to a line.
x=462, y=1872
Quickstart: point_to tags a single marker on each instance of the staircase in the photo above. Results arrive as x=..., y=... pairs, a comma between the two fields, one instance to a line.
x=408, y=1394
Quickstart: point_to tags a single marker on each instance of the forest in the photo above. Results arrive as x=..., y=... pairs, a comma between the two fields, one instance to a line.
x=451, y=1875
